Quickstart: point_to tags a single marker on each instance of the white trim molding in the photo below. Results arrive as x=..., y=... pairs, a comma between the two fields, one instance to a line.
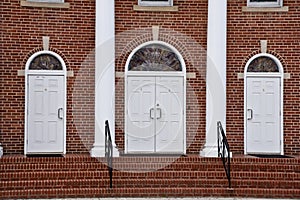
x=155, y=3
x=255, y=3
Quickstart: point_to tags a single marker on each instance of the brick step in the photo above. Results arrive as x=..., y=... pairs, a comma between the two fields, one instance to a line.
x=51, y=166
x=83, y=158
x=118, y=166
x=267, y=193
x=265, y=176
x=50, y=175
x=254, y=160
x=53, y=184
x=151, y=192
x=117, y=183
x=80, y=174
x=148, y=163
x=144, y=183
x=164, y=183
x=90, y=173
x=146, y=167
x=168, y=167
x=267, y=184
x=265, y=167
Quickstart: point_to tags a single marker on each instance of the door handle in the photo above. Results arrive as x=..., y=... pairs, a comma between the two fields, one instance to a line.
x=251, y=114
x=59, y=113
x=151, y=113
x=159, y=116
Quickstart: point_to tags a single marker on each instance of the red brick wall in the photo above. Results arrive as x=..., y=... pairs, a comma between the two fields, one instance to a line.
x=72, y=33
x=245, y=30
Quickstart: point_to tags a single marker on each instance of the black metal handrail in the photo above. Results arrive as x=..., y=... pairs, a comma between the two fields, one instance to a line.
x=108, y=152
x=224, y=151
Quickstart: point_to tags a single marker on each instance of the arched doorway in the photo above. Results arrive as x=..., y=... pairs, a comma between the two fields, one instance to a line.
x=263, y=110
x=155, y=82
x=45, y=104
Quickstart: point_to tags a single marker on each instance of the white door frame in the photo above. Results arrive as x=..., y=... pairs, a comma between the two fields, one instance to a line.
x=182, y=73
x=29, y=72
x=280, y=75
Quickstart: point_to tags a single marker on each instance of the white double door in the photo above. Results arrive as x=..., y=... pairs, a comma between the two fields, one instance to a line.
x=45, y=129
x=263, y=121
x=155, y=115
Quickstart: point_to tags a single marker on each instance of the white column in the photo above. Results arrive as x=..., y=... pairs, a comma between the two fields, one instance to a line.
x=104, y=75
x=215, y=74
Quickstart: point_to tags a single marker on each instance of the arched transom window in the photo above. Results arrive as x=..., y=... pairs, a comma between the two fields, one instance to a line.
x=45, y=62
x=263, y=64
x=154, y=57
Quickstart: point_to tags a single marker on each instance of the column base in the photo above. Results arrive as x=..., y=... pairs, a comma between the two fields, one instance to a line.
x=209, y=151
x=99, y=151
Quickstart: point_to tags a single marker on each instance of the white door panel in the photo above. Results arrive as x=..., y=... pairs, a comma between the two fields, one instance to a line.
x=45, y=128
x=263, y=127
x=169, y=105
x=140, y=127
x=155, y=114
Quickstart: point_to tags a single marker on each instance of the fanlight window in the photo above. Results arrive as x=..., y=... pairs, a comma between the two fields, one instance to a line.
x=263, y=64
x=45, y=62
x=154, y=57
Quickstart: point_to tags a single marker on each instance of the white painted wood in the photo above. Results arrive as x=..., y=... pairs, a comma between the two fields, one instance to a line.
x=140, y=114
x=276, y=3
x=28, y=100
x=155, y=3
x=279, y=75
x=104, y=76
x=169, y=115
x=45, y=114
x=215, y=74
x=263, y=115
x=179, y=75
x=155, y=115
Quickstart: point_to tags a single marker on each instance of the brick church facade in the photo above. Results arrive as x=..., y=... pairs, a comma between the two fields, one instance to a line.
x=70, y=26
x=163, y=73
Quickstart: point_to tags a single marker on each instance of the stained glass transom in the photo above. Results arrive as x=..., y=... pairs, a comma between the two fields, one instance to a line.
x=45, y=62
x=263, y=64
x=154, y=57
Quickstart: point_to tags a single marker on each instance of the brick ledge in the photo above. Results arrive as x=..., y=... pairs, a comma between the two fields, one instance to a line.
x=25, y=3
x=156, y=8
x=265, y=9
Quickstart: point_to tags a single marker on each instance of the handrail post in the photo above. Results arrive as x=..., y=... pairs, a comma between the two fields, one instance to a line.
x=224, y=151
x=108, y=152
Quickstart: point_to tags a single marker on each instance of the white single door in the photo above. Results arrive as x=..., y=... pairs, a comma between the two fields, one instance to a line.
x=263, y=116
x=155, y=115
x=169, y=111
x=45, y=114
x=140, y=114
